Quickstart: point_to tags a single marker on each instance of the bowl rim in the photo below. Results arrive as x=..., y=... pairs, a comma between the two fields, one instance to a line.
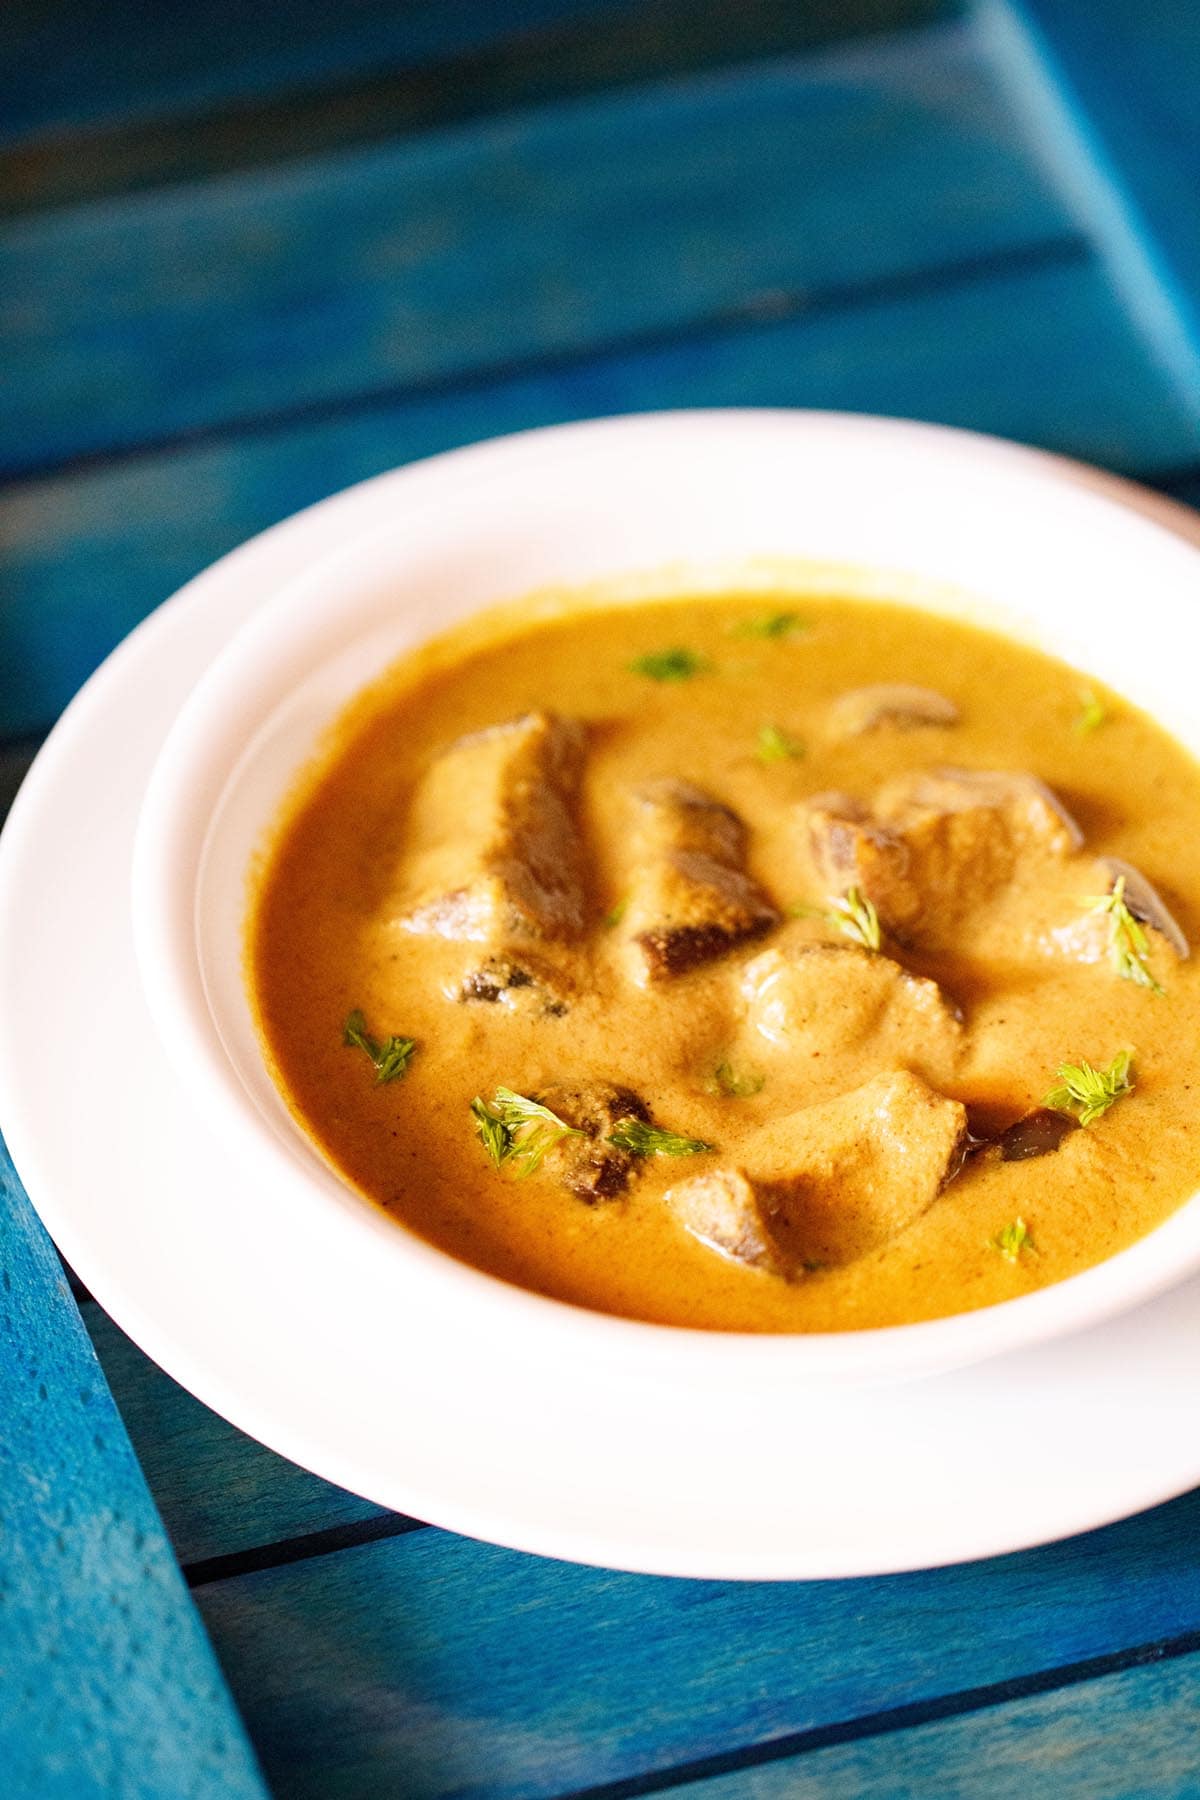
x=170, y=842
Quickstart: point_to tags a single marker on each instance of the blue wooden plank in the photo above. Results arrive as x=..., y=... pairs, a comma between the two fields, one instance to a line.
x=552, y=232
x=89, y=555
x=1074, y=150
x=480, y=1672
x=598, y=46
x=218, y=1491
x=107, y=1683
x=181, y=57
x=1133, y=73
x=1128, y=1736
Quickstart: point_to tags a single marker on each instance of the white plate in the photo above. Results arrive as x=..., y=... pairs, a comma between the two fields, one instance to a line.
x=215, y=1283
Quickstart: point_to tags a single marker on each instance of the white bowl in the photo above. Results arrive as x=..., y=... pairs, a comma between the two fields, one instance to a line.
x=672, y=503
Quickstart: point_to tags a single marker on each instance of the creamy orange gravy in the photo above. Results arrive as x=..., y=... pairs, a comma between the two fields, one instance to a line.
x=323, y=939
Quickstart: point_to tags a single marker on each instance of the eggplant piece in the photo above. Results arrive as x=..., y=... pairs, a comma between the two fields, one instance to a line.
x=827, y=1185
x=690, y=897
x=1037, y=1133
x=898, y=704
x=1032, y=814
x=523, y=986
x=850, y=847
x=937, y=843
x=822, y=1000
x=589, y=1166
x=497, y=857
x=724, y=1210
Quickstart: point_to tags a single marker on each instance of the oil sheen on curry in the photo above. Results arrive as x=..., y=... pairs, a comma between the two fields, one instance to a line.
x=758, y=964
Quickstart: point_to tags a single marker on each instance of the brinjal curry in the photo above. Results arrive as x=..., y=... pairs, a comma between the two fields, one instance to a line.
x=754, y=964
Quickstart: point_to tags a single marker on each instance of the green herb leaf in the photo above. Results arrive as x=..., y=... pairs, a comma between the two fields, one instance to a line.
x=1010, y=1242
x=851, y=913
x=491, y=1131
x=1093, y=712
x=612, y=919
x=676, y=664
x=1128, y=945
x=641, y=1139
x=513, y=1128
x=727, y=1081
x=775, y=745
x=771, y=625
x=857, y=919
x=394, y=1057
x=355, y=1032
x=1089, y=1092
x=389, y=1059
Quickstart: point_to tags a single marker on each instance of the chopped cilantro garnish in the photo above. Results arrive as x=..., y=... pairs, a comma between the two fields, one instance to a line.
x=514, y=1129
x=1012, y=1240
x=850, y=913
x=775, y=745
x=737, y=1085
x=1128, y=945
x=676, y=664
x=641, y=1139
x=776, y=625
x=389, y=1059
x=1092, y=713
x=1089, y=1092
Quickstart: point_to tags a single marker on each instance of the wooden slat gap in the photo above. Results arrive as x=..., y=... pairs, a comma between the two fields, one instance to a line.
x=81, y=1294
x=630, y=43
x=892, y=1719
x=299, y=1549
x=1183, y=475
x=16, y=754
x=771, y=307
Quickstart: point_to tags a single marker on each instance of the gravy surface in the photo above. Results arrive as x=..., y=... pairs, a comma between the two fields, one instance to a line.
x=323, y=940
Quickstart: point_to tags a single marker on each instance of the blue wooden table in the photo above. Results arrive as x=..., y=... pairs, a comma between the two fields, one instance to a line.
x=251, y=254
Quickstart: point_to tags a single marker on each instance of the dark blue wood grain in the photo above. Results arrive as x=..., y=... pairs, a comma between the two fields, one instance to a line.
x=182, y=57
x=218, y=1491
x=1128, y=1736
x=589, y=49
x=542, y=234
x=87, y=556
x=485, y=1673
x=107, y=1684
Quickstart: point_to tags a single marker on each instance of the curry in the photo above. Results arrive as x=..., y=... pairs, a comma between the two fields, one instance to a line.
x=785, y=964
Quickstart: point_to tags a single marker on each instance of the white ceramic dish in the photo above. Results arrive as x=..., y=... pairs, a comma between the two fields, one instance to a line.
x=712, y=501
x=308, y=1327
